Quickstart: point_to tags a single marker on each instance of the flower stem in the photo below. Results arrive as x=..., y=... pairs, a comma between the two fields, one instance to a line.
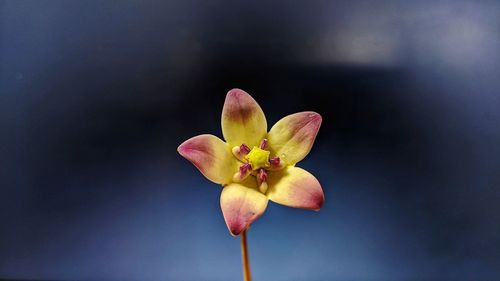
x=247, y=276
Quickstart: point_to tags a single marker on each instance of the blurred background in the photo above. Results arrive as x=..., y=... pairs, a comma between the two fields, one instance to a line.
x=95, y=97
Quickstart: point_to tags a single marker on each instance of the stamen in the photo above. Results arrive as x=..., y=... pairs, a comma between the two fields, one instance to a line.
x=244, y=149
x=240, y=152
x=263, y=144
x=244, y=171
x=262, y=176
x=245, y=168
x=275, y=163
x=262, y=180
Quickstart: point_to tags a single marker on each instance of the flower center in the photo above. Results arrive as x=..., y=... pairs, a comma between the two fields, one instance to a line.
x=258, y=158
x=256, y=162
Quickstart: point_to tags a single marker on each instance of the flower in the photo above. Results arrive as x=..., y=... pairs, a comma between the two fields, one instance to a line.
x=255, y=166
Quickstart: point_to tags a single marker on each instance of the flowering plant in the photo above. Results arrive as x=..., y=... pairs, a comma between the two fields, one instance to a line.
x=254, y=165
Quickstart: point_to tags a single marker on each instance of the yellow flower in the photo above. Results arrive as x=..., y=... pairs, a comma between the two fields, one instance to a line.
x=255, y=166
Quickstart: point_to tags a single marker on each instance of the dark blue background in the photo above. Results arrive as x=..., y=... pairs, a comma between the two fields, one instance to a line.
x=95, y=97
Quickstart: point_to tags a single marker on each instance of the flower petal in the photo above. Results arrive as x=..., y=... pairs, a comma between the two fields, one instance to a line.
x=211, y=156
x=242, y=119
x=292, y=137
x=241, y=206
x=295, y=187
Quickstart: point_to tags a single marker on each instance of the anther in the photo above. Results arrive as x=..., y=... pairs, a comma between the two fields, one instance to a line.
x=275, y=163
x=263, y=144
x=262, y=175
x=244, y=149
x=244, y=171
x=240, y=152
x=262, y=180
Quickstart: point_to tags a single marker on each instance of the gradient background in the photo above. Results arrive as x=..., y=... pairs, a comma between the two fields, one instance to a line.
x=95, y=97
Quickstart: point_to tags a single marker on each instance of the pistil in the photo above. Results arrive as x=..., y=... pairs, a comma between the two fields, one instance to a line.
x=258, y=158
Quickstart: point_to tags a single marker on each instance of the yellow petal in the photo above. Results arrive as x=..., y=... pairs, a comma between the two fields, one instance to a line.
x=295, y=187
x=292, y=137
x=211, y=156
x=242, y=119
x=241, y=206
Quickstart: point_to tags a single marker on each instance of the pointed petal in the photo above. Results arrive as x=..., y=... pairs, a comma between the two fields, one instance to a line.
x=242, y=119
x=295, y=187
x=211, y=156
x=241, y=206
x=292, y=137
